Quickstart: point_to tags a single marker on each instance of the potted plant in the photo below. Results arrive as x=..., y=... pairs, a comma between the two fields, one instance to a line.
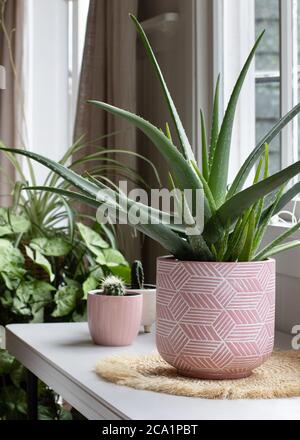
x=216, y=292
x=114, y=314
x=149, y=295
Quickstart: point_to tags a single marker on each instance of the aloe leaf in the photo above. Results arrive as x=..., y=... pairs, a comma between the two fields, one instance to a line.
x=250, y=161
x=240, y=244
x=215, y=124
x=181, y=168
x=65, y=193
x=235, y=206
x=61, y=170
x=269, y=248
x=278, y=249
x=235, y=242
x=207, y=191
x=219, y=170
x=284, y=200
x=205, y=166
x=168, y=133
x=247, y=250
x=186, y=147
x=200, y=248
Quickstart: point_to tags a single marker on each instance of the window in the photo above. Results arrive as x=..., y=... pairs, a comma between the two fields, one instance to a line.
x=277, y=75
x=54, y=47
x=267, y=75
x=275, y=80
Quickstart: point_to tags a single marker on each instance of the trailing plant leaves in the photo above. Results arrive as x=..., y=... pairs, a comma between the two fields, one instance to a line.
x=11, y=223
x=90, y=283
x=51, y=247
x=6, y=362
x=113, y=258
x=66, y=298
x=41, y=261
x=11, y=264
x=93, y=241
x=123, y=272
x=31, y=297
x=13, y=402
x=17, y=373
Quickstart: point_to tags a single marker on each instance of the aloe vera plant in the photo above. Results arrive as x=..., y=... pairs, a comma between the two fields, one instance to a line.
x=235, y=219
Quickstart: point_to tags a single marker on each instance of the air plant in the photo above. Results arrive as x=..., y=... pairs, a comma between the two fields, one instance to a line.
x=235, y=218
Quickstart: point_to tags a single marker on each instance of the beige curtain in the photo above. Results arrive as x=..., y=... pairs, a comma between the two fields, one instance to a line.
x=109, y=75
x=11, y=100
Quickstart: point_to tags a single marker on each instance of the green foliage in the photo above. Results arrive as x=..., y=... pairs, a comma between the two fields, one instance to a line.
x=113, y=286
x=235, y=218
x=13, y=224
x=92, y=240
x=51, y=247
x=66, y=298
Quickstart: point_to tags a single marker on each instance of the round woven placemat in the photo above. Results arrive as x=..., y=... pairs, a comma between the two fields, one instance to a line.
x=278, y=377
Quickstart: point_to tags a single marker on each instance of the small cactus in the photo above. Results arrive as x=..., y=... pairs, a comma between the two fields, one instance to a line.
x=137, y=275
x=113, y=286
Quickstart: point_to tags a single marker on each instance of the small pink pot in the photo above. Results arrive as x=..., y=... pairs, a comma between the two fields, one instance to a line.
x=215, y=320
x=114, y=320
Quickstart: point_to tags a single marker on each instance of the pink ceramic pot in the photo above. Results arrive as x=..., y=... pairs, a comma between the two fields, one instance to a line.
x=114, y=320
x=215, y=320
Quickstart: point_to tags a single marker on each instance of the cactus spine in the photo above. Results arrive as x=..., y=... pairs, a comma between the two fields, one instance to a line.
x=113, y=286
x=137, y=275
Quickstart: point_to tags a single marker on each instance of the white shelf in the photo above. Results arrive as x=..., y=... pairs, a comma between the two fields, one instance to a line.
x=64, y=357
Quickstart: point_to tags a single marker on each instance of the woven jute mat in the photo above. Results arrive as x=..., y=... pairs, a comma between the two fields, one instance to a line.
x=277, y=377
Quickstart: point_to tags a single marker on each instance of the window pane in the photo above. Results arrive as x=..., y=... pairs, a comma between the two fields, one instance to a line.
x=267, y=16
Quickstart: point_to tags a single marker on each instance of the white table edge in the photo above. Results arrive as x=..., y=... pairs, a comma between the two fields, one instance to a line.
x=35, y=363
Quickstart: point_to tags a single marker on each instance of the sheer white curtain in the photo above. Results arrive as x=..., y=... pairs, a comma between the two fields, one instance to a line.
x=12, y=130
x=109, y=75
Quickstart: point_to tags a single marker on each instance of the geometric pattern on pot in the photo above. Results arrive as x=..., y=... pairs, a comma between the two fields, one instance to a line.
x=215, y=320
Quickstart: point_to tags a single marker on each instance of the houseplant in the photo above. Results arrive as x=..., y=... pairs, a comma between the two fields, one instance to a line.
x=224, y=260
x=149, y=295
x=114, y=314
x=49, y=261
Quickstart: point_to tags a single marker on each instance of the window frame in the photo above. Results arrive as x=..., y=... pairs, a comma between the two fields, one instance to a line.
x=225, y=25
x=289, y=136
x=51, y=88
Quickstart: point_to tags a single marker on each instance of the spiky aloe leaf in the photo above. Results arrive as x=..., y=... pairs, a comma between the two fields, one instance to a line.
x=186, y=147
x=247, y=250
x=205, y=165
x=64, y=172
x=267, y=251
x=234, y=207
x=280, y=248
x=179, y=165
x=215, y=124
x=158, y=232
x=254, y=156
x=284, y=200
x=219, y=170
